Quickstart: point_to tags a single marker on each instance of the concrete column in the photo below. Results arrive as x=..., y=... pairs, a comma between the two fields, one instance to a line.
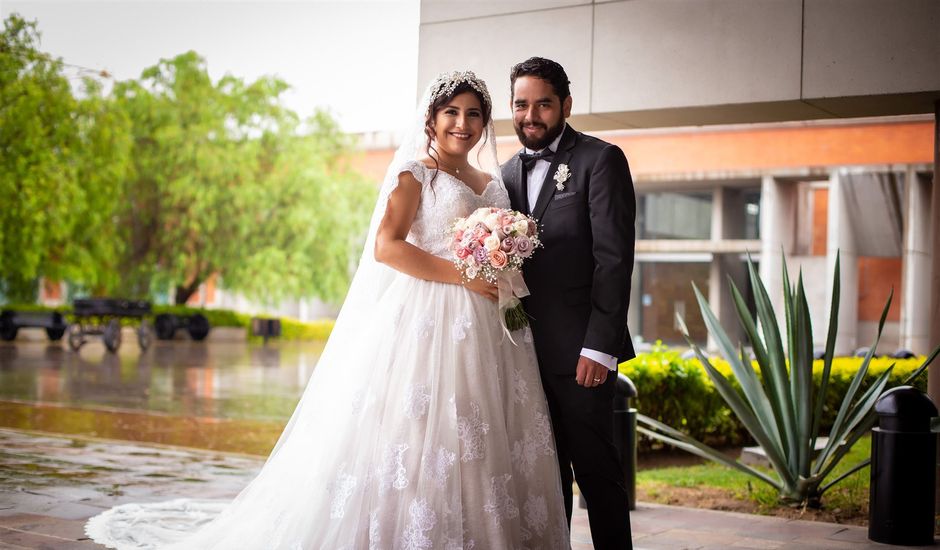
x=636, y=303
x=841, y=240
x=723, y=267
x=933, y=371
x=727, y=220
x=915, y=270
x=777, y=228
x=715, y=277
x=715, y=287
x=933, y=338
x=303, y=309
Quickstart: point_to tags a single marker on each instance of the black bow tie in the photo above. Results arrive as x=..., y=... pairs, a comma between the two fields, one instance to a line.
x=530, y=160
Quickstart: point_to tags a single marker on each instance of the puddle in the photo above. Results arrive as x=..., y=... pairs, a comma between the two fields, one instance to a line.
x=225, y=396
x=216, y=380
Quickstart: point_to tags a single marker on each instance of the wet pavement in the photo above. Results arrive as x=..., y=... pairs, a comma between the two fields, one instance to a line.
x=227, y=398
x=228, y=379
x=50, y=485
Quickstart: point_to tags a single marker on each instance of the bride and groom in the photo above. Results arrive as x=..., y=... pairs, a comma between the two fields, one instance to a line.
x=423, y=426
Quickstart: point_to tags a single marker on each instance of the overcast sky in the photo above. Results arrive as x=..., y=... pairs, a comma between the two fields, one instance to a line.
x=358, y=58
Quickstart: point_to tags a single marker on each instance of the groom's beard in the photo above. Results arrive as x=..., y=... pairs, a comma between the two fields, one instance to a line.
x=549, y=137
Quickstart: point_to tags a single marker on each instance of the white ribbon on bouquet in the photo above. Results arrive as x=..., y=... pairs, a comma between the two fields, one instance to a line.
x=511, y=286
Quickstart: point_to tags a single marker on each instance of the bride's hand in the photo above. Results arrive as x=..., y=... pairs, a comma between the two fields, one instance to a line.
x=483, y=288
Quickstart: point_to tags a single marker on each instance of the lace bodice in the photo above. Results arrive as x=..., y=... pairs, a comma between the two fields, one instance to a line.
x=442, y=202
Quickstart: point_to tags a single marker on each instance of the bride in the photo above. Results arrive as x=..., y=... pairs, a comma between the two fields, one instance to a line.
x=423, y=425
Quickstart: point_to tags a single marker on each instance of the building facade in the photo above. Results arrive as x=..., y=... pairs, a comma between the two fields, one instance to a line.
x=753, y=127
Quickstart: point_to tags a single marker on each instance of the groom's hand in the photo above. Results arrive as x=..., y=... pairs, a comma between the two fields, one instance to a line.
x=590, y=373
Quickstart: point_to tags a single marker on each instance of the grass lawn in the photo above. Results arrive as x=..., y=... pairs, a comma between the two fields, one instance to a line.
x=712, y=485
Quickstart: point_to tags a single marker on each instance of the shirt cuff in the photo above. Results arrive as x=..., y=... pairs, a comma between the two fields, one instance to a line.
x=608, y=361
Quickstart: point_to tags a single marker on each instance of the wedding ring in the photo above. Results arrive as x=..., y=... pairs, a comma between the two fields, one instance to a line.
x=597, y=379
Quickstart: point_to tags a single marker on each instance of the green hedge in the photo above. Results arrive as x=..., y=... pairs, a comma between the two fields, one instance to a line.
x=291, y=329
x=216, y=317
x=678, y=392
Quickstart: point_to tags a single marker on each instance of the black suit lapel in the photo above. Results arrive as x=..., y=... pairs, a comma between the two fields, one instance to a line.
x=562, y=155
x=516, y=184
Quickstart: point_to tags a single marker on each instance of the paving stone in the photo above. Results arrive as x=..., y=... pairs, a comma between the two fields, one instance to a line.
x=42, y=542
x=55, y=527
x=50, y=511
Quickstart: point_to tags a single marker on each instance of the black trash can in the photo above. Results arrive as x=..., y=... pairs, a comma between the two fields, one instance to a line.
x=624, y=436
x=625, y=433
x=903, y=469
x=266, y=328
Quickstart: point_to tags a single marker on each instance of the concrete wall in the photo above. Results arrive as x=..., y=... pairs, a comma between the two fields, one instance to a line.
x=655, y=63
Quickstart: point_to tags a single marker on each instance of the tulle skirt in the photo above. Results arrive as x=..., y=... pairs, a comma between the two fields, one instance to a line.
x=424, y=427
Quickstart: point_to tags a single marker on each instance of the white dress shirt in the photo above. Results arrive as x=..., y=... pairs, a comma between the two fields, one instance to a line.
x=534, y=180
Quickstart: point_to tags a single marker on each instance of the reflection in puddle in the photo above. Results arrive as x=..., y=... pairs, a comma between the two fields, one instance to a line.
x=217, y=380
x=231, y=396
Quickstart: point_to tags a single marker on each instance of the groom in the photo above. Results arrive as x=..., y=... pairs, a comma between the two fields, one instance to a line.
x=580, y=190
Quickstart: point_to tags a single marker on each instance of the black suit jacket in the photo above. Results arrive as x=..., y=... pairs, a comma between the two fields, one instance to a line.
x=580, y=280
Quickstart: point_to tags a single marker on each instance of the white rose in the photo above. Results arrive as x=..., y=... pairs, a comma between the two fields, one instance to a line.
x=491, y=243
x=521, y=226
x=492, y=221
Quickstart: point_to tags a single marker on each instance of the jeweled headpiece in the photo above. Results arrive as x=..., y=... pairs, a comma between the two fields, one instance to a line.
x=446, y=83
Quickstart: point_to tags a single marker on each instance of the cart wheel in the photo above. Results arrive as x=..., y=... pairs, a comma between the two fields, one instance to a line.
x=144, y=335
x=165, y=323
x=76, y=336
x=7, y=328
x=55, y=334
x=112, y=335
x=198, y=327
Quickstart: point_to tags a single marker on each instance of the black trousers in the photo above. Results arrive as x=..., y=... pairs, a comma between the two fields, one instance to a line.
x=582, y=419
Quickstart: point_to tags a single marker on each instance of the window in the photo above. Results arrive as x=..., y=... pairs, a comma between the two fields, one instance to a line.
x=674, y=215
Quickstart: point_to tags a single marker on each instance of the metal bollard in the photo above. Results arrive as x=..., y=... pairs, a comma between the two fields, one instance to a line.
x=903, y=469
x=624, y=436
x=266, y=328
x=625, y=433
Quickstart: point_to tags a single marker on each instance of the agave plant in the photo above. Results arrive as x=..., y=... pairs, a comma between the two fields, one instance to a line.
x=783, y=407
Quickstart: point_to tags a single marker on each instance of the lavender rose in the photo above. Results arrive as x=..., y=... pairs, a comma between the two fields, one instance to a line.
x=481, y=255
x=523, y=246
x=508, y=245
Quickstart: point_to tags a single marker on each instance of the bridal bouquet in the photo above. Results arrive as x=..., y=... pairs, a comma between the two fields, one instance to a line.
x=493, y=243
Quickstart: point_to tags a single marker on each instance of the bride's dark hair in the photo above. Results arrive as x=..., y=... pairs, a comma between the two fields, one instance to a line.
x=442, y=101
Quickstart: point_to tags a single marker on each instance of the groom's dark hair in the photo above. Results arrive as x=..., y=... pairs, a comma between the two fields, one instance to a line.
x=547, y=70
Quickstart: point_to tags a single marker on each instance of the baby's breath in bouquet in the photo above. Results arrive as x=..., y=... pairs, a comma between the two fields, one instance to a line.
x=493, y=243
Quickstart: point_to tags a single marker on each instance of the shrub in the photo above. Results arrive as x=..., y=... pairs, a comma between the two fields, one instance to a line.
x=292, y=329
x=678, y=392
x=216, y=317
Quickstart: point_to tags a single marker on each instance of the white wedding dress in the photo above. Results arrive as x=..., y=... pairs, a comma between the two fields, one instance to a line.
x=422, y=427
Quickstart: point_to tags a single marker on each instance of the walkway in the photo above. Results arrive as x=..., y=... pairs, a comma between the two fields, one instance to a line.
x=50, y=484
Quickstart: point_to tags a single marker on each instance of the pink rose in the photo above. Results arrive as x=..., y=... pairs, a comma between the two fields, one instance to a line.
x=498, y=259
x=523, y=246
x=462, y=253
x=506, y=219
x=480, y=232
x=532, y=228
x=507, y=229
x=472, y=245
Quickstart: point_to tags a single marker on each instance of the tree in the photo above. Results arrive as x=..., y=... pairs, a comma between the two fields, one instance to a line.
x=61, y=159
x=227, y=181
x=36, y=140
x=310, y=215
